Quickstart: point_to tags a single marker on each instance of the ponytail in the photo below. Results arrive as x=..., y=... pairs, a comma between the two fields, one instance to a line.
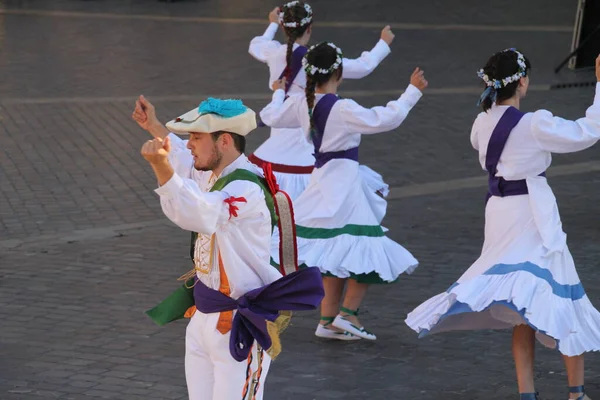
x=287, y=72
x=311, y=85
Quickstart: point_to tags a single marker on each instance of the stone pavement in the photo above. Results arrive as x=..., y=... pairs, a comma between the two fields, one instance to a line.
x=85, y=249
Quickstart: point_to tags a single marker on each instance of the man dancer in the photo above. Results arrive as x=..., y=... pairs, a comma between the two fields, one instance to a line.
x=235, y=298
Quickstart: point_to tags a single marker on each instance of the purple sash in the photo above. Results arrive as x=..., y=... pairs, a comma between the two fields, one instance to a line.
x=498, y=186
x=295, y=68
x=320, y=116
x=300, y=290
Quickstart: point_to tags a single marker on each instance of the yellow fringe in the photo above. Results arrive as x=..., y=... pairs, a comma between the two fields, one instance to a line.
x=187, y=276
x=275, y=329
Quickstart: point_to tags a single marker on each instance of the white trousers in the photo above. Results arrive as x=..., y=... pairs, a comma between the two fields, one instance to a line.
x=211, y=372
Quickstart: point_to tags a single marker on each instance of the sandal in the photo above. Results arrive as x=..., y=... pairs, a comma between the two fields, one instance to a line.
x=327, y=333
x=341, y=322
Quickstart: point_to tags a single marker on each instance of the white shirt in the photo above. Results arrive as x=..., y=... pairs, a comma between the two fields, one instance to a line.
x=528, y=153
x=537, y=135
x=347, y=121
x=267, y=50
x=243, y=241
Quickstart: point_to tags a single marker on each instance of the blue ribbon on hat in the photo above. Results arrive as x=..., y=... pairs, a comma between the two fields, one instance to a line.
x=490, y=92
x=225, y=108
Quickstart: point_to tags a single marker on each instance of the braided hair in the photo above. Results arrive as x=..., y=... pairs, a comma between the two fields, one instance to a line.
x=501, y=75
x=296, y=19
x=321, y=63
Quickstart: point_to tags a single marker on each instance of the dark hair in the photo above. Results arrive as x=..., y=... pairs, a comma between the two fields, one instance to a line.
x=500, y=66
x=295, y=13
x=321, y=56
x=239, y=141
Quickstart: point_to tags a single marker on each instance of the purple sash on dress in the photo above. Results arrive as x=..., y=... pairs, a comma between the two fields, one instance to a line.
x=300, y=290
x=295, y=68
x=320, y=116
x=498, y=186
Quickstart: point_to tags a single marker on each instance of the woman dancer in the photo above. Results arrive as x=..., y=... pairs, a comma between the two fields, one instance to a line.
x=287, y=149
x=525, y=278
x=338, y=216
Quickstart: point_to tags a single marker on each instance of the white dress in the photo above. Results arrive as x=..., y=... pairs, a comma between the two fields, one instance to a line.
x=287, y=147
x=339, y=214
x=525, y=274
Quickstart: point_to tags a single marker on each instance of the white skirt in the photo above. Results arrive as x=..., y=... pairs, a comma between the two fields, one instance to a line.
x=338, y=220
x=515, y=281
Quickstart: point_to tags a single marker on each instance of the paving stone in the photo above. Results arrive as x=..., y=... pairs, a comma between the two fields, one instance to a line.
x=85, y=249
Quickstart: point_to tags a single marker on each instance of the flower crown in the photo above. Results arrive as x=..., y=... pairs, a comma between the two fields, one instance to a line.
x=312, y=70
x=294, y=24
x=500, y=83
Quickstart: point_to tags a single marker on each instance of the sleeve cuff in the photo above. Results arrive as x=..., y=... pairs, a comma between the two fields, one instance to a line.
x=279, y=96
x=381, y=50
x=271, y=30
x=411, y=95
x=171, y=188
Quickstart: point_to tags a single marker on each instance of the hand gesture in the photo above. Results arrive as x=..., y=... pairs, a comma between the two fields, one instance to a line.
x=387, y=35
x=156, y=151
x=598, y=68
x=274, y=15
x=279, y=84
x=145, y=115
x=418, y=80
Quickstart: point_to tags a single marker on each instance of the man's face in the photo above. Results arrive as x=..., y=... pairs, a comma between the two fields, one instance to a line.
x=205, y=150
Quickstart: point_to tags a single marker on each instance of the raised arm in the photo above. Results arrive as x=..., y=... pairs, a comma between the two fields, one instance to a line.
x=262, y=47
x=282, y=113
x=369, y=60
x=363, y=120
x=559, y=135
x=189, y=207
x=194, y=210
x=180, y=157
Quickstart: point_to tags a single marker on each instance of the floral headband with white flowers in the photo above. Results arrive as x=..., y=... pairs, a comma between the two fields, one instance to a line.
x=293, y=24
x=500, y=83
x=494, y=84
x=312, y=70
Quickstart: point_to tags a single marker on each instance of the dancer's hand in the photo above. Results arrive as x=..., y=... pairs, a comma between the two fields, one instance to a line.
x=598, y=68
x=387, y=35
x=279, y=84
x=274, y=15
x=156, y=151
x=418, y=80
x=145, y=115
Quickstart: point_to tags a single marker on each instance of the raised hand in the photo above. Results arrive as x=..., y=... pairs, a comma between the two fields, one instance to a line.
x=598, y=68
x=418, y=80
x=279, y=84
x=274, y=15
x=387, y=35
x=145, y=116
x=156, y=151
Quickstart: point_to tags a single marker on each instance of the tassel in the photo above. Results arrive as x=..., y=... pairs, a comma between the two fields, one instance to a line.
x=275, y=329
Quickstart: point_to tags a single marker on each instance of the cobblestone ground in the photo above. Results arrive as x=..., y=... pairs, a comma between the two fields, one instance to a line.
x=85, y=249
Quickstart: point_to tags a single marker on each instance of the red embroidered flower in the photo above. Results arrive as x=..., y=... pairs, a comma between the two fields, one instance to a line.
x=233, y=209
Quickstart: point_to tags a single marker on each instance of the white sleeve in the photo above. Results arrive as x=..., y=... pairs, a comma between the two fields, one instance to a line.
x=474, y=135
x=262, y=47
x=191, y=209
x=369, y=60
x=282, y=113
x=379, y=119
x=558, y=135
x=180, y=157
